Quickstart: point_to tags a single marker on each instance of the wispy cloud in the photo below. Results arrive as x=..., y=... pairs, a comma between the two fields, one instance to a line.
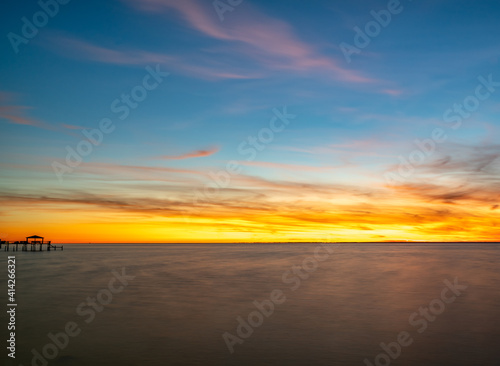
x=269, y=41
x=294, y=167
x=69, y=46
x=72, y=127
x=463, y=163
x=78, y=48
x=273, y=207
x=266, y=213
x=16, y=114
x=392, y=92
x=192, y=154
x=428, y=192
x=459, y=174
x=132, y=171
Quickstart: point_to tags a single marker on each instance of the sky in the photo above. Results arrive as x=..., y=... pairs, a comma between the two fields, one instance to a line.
x=250, y=121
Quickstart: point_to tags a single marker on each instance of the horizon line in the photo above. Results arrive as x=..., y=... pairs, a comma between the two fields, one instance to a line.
x=301, y=242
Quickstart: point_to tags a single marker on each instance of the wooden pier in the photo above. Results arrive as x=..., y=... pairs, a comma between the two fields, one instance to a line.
x=32, y=243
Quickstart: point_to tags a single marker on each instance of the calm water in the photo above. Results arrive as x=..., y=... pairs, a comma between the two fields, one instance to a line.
x=185, y=297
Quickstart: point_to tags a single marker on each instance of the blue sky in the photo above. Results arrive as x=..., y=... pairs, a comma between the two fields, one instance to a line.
x=353, y=119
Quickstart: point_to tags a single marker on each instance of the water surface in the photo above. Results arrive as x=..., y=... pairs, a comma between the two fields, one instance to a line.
x=185, y=297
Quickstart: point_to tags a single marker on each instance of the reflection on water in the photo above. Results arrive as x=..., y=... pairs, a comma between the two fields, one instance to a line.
x=185, y=297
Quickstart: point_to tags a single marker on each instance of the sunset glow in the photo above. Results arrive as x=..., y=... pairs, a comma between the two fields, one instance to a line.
x=167, y=124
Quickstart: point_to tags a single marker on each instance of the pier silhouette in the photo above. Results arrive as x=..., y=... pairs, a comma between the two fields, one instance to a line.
x=29, y=245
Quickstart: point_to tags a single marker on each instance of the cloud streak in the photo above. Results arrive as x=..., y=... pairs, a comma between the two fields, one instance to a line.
x=15, y=114
x=269, y=216
x=269, y=41
x=191, y=155
x=79, y=49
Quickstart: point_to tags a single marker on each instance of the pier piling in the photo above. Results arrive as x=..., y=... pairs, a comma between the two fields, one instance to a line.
x=32, y=243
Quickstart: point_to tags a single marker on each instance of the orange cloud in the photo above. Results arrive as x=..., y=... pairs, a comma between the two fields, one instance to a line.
x=251, y=215
x=15, y=114
x=193, y=154
x=169, y=205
